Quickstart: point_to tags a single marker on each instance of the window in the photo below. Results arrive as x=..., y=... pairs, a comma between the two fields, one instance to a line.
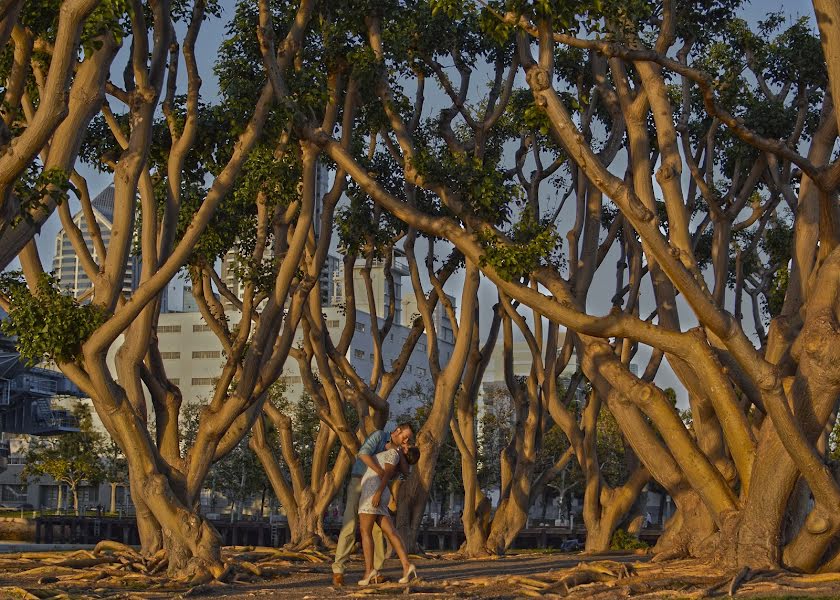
x=421, y=346
x=198, y=328
x=175, y=380
x=293, y=379
x=332, y=323
x=206, y=354
x=166, y=355
x=360, y=327
x=420, y=371
x=169, y=329
x=203, y=380
x=88, y=494
x=12, y=492
x=359, y=353
x=371, y=357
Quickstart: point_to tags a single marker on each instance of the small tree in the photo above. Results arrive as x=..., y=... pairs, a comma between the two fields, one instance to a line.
x=116, y=471
x=70, y=459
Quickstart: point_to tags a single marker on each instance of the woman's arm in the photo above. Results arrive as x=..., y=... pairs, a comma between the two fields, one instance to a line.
x=389, y=471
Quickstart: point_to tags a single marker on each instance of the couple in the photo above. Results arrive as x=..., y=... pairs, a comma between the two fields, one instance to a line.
x=380, y=459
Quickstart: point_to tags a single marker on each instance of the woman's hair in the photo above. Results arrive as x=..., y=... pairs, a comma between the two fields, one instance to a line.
x=412, y=455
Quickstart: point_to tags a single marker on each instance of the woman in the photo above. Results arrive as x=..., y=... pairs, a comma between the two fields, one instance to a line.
x=373, y=508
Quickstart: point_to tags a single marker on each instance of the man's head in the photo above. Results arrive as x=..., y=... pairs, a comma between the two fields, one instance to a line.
x=402, y=434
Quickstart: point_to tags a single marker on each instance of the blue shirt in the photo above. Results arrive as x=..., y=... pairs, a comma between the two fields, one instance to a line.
x=374, y=444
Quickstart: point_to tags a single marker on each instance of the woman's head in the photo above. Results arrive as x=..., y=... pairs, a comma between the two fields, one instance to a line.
x=412, y=455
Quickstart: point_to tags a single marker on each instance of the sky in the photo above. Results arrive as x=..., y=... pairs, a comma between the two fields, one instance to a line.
x=599, y=301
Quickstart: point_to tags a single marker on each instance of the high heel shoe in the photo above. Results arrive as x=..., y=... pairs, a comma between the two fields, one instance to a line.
x=371, y=577
x=409, y=575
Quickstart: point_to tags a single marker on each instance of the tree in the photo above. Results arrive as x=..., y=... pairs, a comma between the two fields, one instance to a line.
x=732, y=477
x=116, y=471
x=170, y=177
x=238, y=476
x=448, y=479
x=52, y=93
x=71, y=459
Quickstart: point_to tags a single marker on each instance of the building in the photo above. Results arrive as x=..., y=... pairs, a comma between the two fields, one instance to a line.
x=29, y=398
x=66, y=264
x=379, y=284
x=193, y=357
x=232, y=267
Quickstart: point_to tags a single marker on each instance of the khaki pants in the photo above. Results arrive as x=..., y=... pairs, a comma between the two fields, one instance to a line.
x=347, y=537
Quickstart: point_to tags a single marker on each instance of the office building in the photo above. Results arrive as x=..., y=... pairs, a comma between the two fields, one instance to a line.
x=66, y=264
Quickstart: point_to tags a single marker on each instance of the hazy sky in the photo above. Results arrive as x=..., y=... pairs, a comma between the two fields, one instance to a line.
x=602, y=291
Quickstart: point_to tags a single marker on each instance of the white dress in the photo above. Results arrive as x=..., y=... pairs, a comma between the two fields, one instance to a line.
x=371, y=481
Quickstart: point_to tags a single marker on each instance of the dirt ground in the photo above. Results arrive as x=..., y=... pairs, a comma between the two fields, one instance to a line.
x=115, y=573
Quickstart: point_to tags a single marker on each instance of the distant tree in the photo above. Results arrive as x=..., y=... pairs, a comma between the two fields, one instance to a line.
x=116, y=470
x=71, y=459
x=239, y=476
x=495, y=424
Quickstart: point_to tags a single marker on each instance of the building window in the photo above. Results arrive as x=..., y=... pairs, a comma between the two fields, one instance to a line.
x=169, y=329
x=420, y=371
x=198, y=328
x=371, y=357
x=421, y=346
x=166, y=355
x=175, y=381
x=10, y=492
x=359, y=353
x=203, y=380
x=207, y=354
x=360, y=327
x=332, y=323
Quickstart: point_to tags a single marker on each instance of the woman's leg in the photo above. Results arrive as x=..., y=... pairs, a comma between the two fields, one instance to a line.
x=387, y=526
x=366, y=528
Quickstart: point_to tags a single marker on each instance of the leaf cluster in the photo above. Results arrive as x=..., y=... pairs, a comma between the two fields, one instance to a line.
x=48, y=323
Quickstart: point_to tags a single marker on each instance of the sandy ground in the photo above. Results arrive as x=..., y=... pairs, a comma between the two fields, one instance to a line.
x=528, y=574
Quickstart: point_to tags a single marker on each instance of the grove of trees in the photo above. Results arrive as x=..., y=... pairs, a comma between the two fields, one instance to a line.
x=604, y=181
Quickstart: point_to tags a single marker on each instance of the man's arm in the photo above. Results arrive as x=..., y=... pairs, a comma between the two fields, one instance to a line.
x=368, y=449
x=371, y=462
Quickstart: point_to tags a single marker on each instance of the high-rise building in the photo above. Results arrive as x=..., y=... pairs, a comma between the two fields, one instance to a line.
x=66, y=264
x=379, y=283
x=232, y=264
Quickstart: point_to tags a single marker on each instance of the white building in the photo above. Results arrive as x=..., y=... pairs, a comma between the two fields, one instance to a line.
x=66, y=264
x=193, y=358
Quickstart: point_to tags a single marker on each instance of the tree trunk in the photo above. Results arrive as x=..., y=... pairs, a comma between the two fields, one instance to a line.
x=75, y=500
x=305, y=527
x=60, y=497
x=113, y=497
x=687, y=531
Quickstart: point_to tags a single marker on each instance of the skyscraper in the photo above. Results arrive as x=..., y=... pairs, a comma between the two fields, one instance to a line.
x=231, y=260
x=66, y=264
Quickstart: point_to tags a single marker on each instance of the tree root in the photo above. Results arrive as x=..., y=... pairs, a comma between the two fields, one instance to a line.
x=112, y=567
x=739, y=578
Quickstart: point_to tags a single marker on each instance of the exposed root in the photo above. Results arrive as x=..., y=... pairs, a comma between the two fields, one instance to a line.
x=112, y=567
x=739, y=578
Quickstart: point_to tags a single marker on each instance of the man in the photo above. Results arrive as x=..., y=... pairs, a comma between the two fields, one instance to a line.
x=375, y=443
